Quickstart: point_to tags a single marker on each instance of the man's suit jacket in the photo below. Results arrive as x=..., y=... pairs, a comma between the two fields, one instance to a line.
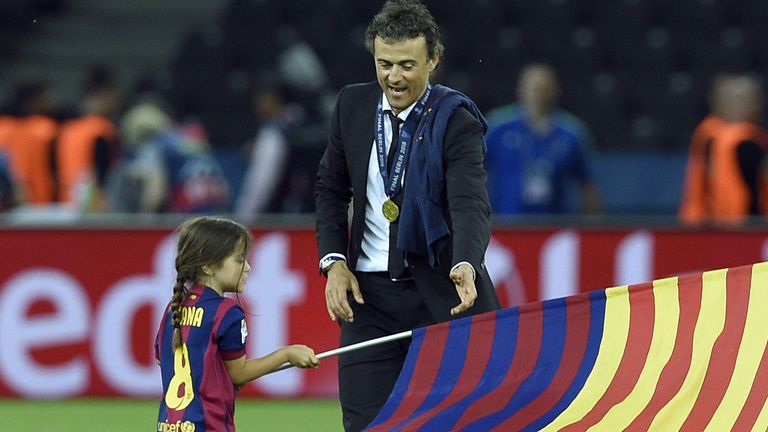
x=342, y=176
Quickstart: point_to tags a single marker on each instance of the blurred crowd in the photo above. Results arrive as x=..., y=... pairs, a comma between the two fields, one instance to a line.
x=538, y=154
x=131, y=154
x=241, y=126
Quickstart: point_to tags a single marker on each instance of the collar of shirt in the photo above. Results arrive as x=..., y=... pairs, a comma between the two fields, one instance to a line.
x=403, y=115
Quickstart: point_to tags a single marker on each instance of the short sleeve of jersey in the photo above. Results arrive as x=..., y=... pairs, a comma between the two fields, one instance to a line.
x=232, y=334
x=583, y=146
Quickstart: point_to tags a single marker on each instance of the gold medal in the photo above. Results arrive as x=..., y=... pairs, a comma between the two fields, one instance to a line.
x=390, y=210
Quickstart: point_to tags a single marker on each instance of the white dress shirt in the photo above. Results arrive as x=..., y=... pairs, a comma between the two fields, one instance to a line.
x=374, y=254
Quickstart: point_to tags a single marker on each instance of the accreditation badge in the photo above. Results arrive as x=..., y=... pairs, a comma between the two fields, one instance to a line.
x=390, y=209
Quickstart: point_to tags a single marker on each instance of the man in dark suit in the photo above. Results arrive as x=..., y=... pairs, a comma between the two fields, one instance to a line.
x=420, y=212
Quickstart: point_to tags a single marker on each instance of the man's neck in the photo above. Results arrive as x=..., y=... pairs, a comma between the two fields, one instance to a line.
x=540, y=121
x=397, y=112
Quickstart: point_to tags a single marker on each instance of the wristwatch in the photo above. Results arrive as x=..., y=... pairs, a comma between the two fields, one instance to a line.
x=327, y=262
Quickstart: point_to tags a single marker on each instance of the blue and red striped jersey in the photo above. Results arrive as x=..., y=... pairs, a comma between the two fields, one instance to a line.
x=198, y=394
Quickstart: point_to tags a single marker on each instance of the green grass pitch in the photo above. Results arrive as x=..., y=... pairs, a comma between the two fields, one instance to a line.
x=128, y=415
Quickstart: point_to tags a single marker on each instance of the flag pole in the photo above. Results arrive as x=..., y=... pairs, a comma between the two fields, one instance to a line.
x=355, y=347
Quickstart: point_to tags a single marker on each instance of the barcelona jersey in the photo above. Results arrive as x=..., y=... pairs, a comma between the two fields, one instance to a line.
x=198, y=394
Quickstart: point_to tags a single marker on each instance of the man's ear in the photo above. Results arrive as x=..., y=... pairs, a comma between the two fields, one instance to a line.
x=433, y=62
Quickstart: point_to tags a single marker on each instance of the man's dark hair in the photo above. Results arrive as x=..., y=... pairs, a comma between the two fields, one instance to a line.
x=399, y=20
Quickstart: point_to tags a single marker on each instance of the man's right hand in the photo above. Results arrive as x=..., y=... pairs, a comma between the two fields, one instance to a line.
x=340, y=282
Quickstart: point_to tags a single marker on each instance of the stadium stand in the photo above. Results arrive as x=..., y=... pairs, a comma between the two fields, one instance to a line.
x=635, y=70
x=644, y=46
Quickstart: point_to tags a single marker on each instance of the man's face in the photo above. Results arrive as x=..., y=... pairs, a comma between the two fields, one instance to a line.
x=402, y=69
x=538, y=90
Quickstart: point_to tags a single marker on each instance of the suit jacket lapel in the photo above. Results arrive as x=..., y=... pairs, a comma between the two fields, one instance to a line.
x=362, y=138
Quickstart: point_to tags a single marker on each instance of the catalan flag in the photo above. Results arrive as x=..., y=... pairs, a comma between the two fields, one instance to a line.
x=684, y=353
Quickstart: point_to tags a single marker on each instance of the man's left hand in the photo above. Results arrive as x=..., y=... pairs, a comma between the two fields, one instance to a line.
x=465, y=287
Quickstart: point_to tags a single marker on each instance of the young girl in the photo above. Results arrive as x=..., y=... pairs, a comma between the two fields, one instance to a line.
x=200, y=345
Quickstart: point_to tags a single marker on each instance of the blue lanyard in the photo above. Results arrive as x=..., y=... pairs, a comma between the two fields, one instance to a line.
x=392, y=179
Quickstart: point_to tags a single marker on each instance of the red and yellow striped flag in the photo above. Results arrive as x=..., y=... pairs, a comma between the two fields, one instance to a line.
x=683, y=353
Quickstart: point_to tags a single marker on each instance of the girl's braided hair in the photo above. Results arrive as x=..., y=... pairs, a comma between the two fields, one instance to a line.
x=203, y=241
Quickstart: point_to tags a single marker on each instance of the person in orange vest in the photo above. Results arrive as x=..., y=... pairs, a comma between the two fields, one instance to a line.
x=725, y=175
x=88, y=146
x=693, y=205
x=28, y=143
x=7, y=124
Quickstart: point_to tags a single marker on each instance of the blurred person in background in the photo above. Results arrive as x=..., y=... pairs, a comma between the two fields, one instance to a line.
x=726, y=175
x=88, y=146
x=538, y=152
x=692, y=206
x=413, y=255
x=263, y=188
x=29, y=131
x=304, y=74
x=166, y=167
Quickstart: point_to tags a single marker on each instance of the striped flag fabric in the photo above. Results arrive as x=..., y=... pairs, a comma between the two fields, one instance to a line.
x=684, y=353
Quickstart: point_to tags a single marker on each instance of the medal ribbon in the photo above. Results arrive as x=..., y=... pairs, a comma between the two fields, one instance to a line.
x=392, y=178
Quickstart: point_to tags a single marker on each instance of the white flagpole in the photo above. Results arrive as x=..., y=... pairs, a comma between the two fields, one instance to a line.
x=355, y=347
